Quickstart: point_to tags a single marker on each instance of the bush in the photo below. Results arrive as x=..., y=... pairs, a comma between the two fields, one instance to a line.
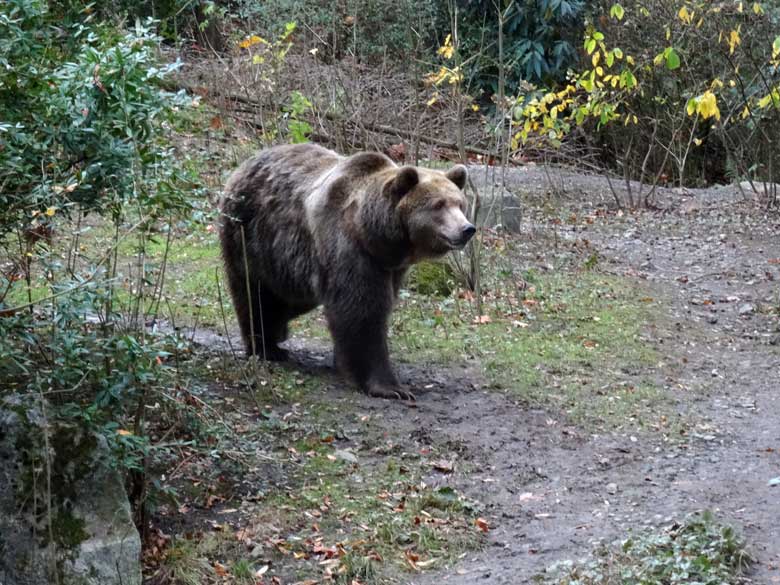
x=84, y=130
x=84, y=123
x=540, y=38
x=685, y=50
x=682, y=92
x=432, y=278
x=368, y=29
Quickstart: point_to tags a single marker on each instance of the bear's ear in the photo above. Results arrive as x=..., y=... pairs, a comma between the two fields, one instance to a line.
x=404, y=181
x=458, y=175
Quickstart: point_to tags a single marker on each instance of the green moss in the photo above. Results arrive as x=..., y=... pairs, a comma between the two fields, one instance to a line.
x=68, y=530
x=432, y=278
x=74, y=459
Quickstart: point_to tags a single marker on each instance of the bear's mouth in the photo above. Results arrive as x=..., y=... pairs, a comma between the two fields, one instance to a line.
x=451, y=244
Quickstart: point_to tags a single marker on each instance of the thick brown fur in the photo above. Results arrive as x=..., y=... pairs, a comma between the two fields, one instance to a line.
x=322, y=229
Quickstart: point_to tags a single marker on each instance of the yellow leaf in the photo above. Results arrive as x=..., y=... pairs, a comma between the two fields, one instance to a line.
x=51, y=211
x=685, y=15
x=708, y=106
x=757, y=8
x=697, y=141
x=745, y=112
x=716, y=84
x=596, y=58
x=431, y=101
x=447, y=50
x=740, y=8
x=734, y=40
x=630, y=60
x=251, y=41
x=123, y=432
x=764, y=101
x=475, y=107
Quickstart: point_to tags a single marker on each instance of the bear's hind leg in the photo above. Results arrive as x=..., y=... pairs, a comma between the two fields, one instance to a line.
x=270, y=317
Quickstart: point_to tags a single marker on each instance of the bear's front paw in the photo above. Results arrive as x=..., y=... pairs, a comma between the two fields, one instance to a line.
x=392, y=392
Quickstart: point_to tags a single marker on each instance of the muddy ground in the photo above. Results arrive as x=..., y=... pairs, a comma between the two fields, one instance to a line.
x=553, y=490
x=549, y=489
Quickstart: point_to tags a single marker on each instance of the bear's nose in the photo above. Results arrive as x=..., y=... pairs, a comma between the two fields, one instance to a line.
x=468, y=231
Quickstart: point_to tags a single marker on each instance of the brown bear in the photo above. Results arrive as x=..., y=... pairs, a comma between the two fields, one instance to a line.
x=303, y=226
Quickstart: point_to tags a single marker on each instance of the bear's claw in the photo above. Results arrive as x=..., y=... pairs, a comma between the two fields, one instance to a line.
x=392, y=393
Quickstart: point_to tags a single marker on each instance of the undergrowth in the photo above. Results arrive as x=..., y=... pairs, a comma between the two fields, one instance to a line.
x=696, y=550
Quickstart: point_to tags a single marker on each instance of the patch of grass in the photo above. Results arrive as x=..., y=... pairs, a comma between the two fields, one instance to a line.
x=698, y=549
x=186, y=562
x=190, y=287
x=575, y=340
x=362, y=520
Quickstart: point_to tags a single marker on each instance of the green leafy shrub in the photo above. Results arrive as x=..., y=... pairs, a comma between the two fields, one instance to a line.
x=85, y=129
x=367, y=29
x=540, y=40
x=432, y=278
x=697, y=550
x=704, y=72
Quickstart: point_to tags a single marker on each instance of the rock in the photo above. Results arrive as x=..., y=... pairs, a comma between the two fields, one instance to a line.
x=612, y=488
x=345, y=455
x=746, y=309
x=83, y=534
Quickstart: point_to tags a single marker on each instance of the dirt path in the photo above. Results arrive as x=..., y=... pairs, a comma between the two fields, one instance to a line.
x=551, y=490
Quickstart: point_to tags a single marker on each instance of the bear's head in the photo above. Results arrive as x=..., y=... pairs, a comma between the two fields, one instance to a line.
x=431, y=206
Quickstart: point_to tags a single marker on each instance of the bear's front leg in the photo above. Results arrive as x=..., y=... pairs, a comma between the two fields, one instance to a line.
x=359, y=331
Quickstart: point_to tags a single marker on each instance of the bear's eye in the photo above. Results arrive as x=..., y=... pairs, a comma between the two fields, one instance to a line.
x=439, y=205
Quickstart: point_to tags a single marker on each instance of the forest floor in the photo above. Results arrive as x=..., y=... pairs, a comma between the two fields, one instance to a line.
x=621, y=374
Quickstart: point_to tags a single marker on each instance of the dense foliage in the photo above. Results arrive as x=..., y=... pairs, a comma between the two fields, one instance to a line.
x=540, y=40
x=84, y=130
x=683, y=92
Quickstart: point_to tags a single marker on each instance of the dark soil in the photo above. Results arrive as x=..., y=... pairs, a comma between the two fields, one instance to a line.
x=553, y=490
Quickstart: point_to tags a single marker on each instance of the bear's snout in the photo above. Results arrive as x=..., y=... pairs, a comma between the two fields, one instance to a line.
x=468, y=232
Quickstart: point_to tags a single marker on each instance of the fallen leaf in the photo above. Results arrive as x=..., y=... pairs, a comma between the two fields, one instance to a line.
x=775, y=481
x=482, y=524
x=221, y=570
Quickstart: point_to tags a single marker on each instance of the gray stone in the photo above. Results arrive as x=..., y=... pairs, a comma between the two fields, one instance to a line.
x=746, y=309
x=77, y=532
x=345, y=455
